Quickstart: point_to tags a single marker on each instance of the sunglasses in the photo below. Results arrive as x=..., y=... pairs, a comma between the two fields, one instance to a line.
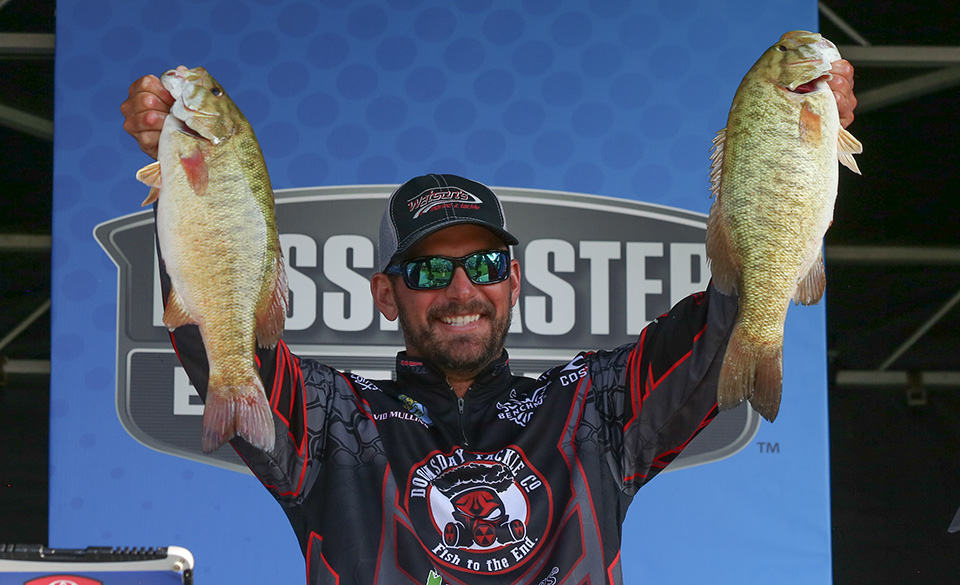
x=433, y=272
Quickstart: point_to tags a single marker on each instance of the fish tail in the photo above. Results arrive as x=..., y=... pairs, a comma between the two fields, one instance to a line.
x=752, y=372
x=769, y=383
x=736, y=375
x=237, y=410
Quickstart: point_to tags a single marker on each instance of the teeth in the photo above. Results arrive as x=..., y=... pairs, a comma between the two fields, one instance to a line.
x=460, y=320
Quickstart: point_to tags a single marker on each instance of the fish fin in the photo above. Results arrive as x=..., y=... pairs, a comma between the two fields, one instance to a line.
x=736, y=374
x=175, y=314
x=751, y=372
x=768, y=387
x=720, y=251
x=811, y=287
x=195, y=167
x=810, y=125
x=847, y=146
x=723, y=264
x=150, y=174
x=236, y=410
x=716, y=161
x=270, y=321
x=152, y=196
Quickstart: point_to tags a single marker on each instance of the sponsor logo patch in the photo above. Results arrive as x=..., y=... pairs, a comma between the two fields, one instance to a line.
x=416, y=409
x=441, y=197
x=486, y=512
x=519, y=409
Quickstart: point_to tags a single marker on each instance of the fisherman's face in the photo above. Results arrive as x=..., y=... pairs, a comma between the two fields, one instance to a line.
x=460, y=328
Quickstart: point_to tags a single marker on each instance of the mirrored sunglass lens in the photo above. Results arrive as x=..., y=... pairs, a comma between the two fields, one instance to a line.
x=437, y=271
x=486, y=267
x=430, y=273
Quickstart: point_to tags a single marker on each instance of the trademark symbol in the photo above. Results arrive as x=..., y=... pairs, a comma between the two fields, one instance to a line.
x=766, y=447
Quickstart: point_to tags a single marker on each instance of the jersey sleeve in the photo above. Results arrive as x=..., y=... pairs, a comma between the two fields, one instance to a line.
x=654, y=396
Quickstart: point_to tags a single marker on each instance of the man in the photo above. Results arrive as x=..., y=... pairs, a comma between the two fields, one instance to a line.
x=457, y=470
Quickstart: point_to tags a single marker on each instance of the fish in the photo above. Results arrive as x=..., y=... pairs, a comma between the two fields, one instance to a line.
x=773, y=176
x=218, y=238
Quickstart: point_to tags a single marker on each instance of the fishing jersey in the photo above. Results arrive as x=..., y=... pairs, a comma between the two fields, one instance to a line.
x=522, y=481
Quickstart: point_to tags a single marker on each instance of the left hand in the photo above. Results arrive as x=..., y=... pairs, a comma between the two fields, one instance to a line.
x=841, y=82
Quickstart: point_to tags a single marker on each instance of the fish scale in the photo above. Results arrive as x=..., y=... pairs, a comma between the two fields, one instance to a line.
x=217, y=233
x=774, y=178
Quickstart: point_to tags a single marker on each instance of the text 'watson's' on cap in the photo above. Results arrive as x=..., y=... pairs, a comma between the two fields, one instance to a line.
x=429, y=203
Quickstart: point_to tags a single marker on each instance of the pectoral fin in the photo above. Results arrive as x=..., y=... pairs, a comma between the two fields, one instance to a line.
x=195, y=167
x=847, y=146
x=810, y=125
x=150, y=175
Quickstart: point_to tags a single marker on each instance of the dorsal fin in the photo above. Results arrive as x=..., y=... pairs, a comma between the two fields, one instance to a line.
x=716, y=161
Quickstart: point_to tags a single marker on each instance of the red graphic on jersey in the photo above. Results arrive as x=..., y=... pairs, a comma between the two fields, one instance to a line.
x=480, y=517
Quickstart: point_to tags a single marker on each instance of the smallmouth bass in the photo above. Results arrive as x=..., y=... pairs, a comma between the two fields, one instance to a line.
x=217, y=233
x=774, y=178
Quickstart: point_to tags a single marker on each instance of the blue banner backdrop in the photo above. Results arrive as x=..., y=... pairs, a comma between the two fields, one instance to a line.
x=613, y=98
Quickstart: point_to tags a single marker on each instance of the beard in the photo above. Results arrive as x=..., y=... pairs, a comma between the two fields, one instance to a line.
x=465, y=354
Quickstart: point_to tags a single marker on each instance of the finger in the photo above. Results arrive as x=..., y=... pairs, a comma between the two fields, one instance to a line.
x=146, y=102
x=148, y=142
x=143, y=112
x=842, y=71
x=145, y=128
x=150, y=84
x=841, y=82
x=846, y=103
x=144, y=120
x=842, y=90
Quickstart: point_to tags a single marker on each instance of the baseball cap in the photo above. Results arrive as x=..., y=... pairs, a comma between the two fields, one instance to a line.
x=432, y=202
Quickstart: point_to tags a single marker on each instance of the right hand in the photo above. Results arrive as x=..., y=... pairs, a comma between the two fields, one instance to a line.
x=144, y=111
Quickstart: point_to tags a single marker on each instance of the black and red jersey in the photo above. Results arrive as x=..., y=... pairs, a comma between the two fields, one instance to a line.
x=522, y=481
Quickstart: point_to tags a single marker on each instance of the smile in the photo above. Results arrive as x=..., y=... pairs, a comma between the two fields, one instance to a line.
x=460, y=320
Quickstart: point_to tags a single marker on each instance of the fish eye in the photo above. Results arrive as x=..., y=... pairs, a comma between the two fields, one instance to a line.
x=216, y=91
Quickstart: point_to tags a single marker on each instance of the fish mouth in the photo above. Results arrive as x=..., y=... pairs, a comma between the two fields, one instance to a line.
x=810, y=86
x=184, y=115
x=176, y=81
x=817, y=64
x=195, y=111
x=183, y=128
